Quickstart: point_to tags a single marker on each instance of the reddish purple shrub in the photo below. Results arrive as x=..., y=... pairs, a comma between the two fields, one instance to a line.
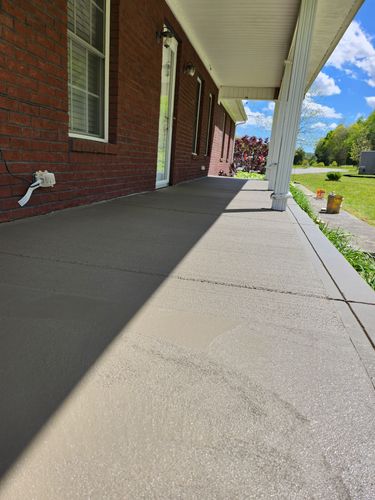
x=250, y=153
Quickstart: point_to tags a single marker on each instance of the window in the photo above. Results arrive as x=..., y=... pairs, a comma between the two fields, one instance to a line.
x=88, y=30
x=223, y=139
x=229, y=137
x=209, y=124
x=197, y=115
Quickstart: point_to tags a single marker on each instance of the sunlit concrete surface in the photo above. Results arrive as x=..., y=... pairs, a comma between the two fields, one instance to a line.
x=186, y=343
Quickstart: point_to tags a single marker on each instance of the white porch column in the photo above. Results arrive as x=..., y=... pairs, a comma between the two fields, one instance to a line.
x=270, y=161
x=279, y=124
x=293, y=105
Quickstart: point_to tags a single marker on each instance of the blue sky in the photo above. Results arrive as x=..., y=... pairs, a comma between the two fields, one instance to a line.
x=343, y=91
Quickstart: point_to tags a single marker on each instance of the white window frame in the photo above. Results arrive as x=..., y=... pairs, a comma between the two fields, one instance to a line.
x=229, y=137
x=106, y=80
x=197, y=117
x=209, y=122
x=223, y=137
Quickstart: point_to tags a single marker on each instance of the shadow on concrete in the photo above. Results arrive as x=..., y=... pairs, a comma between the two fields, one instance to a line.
x=70, y=283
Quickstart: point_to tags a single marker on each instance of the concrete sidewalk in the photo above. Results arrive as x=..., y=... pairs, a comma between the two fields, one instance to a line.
x=186, y=343
x=316, y=170
x=363, y=233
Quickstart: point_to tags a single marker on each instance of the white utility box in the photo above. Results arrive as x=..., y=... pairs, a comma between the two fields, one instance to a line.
x=47, y=179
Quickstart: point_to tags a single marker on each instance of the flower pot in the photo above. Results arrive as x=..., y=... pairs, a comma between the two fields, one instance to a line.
x=334, y=203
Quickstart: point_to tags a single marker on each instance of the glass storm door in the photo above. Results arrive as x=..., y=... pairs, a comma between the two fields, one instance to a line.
x=168, y=76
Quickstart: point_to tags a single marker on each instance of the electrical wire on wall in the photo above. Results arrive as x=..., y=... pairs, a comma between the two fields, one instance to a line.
x=40, y=179
x=24, y=179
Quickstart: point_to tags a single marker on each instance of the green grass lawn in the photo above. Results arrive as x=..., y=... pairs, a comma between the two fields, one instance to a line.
x=249, y=175
x=359, y=193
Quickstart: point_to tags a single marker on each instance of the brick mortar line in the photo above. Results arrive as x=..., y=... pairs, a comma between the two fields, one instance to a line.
x=32, y=103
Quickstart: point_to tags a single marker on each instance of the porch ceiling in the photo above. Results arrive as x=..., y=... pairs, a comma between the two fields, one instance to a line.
x=244, y=43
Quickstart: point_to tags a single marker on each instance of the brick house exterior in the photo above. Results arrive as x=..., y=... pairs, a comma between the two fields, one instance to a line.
x=34, y=117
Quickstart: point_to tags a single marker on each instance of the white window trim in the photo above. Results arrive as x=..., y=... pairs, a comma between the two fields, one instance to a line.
x=106, y=84
x=229, y=137
x=199, y=100
x=208, y=136
x=223, y=136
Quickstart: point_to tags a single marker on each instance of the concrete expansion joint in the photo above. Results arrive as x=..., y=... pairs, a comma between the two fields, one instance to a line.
x=225, y=212
x=251, y=287
x=360, y=302
x=86, y=264
x=229, y=284
x=164, y=209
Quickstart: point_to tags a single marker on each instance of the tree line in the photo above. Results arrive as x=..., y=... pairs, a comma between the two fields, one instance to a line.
x=344, y=145
x=341, y=146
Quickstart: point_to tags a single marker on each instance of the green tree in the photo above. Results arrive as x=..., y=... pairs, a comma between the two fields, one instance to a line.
x=299, y=156
x=358, y=140
x=370, y=126
x=338, y=146
x=333, y=147
x=321, y=149
x=345, y=144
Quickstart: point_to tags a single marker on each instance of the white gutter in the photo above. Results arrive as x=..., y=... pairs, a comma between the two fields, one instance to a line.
x=235, y=109
x=353, y=11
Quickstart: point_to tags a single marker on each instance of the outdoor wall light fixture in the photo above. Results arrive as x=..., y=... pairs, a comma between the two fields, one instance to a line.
x=189, y=69
x=164, y=35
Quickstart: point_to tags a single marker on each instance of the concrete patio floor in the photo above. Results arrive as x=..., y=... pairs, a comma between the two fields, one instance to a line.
x=186, y=343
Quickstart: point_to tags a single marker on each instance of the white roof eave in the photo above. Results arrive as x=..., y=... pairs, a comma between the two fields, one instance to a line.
x=316, y=68
x=235, y=109
x=241, y=53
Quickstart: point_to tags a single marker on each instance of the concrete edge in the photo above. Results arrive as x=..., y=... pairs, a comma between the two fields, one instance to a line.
x=330, y=286
x=366, y=314
x=300, y=216
x=359, y=341
x=351, y=285
x=355, y=303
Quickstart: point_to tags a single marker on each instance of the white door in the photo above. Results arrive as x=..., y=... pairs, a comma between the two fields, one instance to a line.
x=168, y=78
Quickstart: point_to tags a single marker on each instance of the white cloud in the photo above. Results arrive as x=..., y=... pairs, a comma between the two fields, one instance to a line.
x=356, y=49
x=351, y=73
x=324, y=85
x=270, y=106
x=258, y=119
x=371, y=101
x=311, y=108
x=323, y=126
x=368, y=66
x=320, y=125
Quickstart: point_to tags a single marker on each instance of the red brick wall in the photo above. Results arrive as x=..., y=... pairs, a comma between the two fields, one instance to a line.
x=34, y=108
x=219, y=162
